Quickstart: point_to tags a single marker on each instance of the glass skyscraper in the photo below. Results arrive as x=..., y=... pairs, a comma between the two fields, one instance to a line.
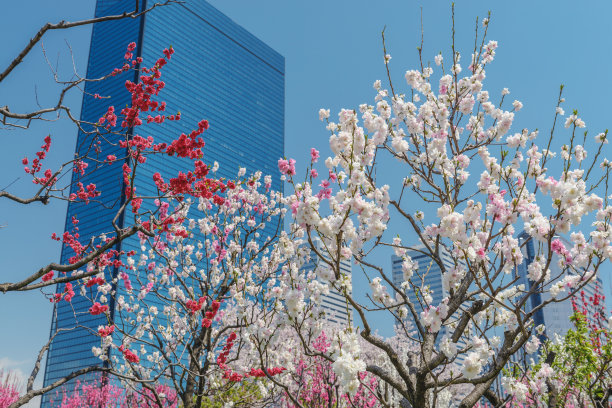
x=427, y=280
x=427, y=277
x=555, y=316
x=338, y=310
x=219, y=72
x=534, y=300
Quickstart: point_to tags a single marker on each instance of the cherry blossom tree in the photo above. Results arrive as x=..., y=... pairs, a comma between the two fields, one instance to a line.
x=573, y=370
x=192, y=291
x=100, y=393
x=314, y=383
x=93, y=257
x=478, y=184
x=217, y=294
x=232, y=213
x=60, y=184
x=23, y=120
x=204, y=302
x=9, y=389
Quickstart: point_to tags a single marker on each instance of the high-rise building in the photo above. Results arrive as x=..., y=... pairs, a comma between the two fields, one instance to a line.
x=555, y=316
x=219, y=72
x=521, y=271
x=337, y=310
x=427, y=278
x=427, y=281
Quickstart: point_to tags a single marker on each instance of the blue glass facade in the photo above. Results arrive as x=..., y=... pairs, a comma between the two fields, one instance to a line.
x=527, y=245
x=337, y=309
x=555, y=316
x=426, y=279
x=219, y=72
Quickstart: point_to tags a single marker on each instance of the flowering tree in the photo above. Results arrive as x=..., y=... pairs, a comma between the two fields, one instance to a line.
x=9, y=389
x=94, y=257
x=99, y=393
x=23, y=120
x=50, y=184
x=236, y=260
x=570, y=371
x=314, y=383
x=68, y=182
x=442, y=130
x=215, y=293
x=104, y=136
x=188, y=296
x=202, y=287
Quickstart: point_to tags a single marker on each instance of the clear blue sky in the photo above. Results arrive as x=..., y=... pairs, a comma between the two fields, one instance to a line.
x=333, y=55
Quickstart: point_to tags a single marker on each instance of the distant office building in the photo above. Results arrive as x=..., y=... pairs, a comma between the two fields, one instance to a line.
x=521, y=271
x=554, y=316
x=427, y=280
x=337, y=309
x=219, y=72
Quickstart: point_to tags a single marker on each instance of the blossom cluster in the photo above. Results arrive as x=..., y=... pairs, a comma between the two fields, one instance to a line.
x=446, y=132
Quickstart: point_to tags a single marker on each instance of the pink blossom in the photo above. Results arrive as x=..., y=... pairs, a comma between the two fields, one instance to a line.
x=314, y=155
x=287, y=166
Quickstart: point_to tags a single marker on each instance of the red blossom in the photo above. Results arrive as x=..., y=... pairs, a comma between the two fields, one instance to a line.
x=194, y=306
x=95, y=281
x=69, y=293
x=97, y=309
x=168, y=52
x=80, y=166
x=48, y=276
x=106, y=331
x=85, y=193
x=129, y=355
x=126, y=282
x=144, y=92
x=136, y=203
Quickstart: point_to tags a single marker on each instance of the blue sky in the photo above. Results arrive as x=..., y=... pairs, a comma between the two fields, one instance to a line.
x=333, y=55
